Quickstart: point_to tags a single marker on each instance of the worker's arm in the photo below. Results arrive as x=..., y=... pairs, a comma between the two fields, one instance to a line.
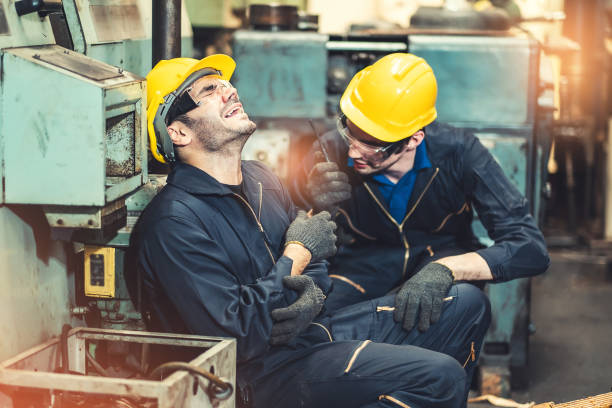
x=299, y=255
x=519, y=249
x=470, y=266
x=195, y=271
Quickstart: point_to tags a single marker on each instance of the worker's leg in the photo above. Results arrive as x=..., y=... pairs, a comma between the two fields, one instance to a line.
x=351, y=374
x=459, y=332
x=417, y=369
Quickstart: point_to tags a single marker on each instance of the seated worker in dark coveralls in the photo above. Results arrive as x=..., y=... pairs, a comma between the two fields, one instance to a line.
x=220, y=251
x=403, y=188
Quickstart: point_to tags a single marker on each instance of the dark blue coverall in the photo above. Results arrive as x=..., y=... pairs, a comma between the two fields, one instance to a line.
x=380, y=252
x=209, y=263
x=460, y=176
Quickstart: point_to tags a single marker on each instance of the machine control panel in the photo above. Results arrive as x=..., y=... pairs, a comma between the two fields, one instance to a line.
x=99, y=271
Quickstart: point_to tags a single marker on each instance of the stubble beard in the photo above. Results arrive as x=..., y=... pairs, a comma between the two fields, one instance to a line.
x=217, y=139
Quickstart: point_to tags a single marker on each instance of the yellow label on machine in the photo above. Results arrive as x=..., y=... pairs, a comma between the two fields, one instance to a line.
x=99, y=271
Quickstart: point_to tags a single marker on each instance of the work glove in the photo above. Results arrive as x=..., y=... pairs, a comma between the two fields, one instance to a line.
x=291, y=320
x=425, y=291
x=315, y=233
x=327, y=186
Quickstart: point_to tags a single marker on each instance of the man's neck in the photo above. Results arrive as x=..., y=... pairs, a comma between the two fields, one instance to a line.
x=225, y=168
x=402, y=166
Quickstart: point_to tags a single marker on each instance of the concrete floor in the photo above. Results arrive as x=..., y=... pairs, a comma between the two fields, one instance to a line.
x=570, y=354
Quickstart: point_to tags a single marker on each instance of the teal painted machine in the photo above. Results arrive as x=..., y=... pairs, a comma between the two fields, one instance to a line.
x=72, y=151
x=72, y=148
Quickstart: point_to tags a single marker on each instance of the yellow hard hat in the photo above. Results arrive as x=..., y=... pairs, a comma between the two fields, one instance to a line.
x=166, y=84
x=393, y=98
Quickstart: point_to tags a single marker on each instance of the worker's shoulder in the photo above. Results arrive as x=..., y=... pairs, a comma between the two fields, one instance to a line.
x=176, y=204
x=258, y=172
x=445, y=141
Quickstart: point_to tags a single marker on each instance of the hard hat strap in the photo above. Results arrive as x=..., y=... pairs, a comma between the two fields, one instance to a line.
x=175, y=104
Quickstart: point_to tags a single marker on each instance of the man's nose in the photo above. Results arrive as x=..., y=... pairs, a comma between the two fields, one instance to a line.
x=229, y=93
x=353, y=152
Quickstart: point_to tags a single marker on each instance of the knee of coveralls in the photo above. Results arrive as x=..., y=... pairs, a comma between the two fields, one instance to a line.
x=379, y=373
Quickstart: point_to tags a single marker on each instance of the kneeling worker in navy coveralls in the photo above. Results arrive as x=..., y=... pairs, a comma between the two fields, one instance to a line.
x=403, y=189
x=222, y=251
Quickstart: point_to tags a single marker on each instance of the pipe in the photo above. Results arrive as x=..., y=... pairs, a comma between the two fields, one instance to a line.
x=166, y=30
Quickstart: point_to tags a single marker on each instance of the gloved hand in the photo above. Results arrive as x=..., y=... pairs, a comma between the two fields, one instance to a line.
x=291, y=320
x=327, y=186
x=425, y=290
x=315, y=233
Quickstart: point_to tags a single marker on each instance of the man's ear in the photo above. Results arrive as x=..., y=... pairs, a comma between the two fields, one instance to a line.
x=416, y=139
x=179, y=133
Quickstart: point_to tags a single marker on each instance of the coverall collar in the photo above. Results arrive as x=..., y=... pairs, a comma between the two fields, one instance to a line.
x=197, y=181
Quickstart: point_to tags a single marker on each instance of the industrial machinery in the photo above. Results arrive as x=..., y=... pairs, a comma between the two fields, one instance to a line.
x=73, y=164
x=490, y=82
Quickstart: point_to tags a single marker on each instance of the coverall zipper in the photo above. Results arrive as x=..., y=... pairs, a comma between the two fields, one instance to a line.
x=393, y=400
x=400, y=227
x=357, y=286
x=355, y=354
x=256, y=218
x=463, y=208
x=350, y=223
x=471, y=356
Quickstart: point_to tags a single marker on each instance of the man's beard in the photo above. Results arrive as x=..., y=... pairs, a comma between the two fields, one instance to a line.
x=215, y=138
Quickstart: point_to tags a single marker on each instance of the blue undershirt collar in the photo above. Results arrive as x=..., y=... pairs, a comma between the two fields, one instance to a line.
x=397, y=195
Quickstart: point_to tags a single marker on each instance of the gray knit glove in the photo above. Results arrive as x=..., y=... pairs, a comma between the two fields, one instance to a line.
x=291, y=320
x=425, y=290
x=327, y=186
x=315, y=233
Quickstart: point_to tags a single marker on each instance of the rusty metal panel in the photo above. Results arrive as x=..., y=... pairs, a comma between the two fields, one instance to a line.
x=79, y=64
x=115, y=22
x=180, y=389
x=120, y=145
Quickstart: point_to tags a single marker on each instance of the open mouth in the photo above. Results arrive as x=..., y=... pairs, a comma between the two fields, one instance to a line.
x=234, y=111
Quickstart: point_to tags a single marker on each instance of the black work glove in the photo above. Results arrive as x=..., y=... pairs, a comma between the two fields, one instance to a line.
x=291, y=320
x=315, y=233
x=327, y=186
x=425, y=290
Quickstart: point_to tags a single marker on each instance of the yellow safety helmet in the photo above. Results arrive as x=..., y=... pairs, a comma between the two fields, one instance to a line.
x=393, y=98
x=167, y=99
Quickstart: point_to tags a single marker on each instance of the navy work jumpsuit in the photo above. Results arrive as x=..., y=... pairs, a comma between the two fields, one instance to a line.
x=210, y=263
x=380, y=253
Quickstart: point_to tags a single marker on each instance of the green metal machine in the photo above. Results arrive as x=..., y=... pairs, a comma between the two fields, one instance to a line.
x=72, y=152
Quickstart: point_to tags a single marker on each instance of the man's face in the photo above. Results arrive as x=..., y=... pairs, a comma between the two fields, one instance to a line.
x=219, y=118
x=365, y=151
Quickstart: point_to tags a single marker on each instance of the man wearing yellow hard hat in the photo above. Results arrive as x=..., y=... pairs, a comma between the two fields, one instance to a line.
x=220, y=251
x=404, y=189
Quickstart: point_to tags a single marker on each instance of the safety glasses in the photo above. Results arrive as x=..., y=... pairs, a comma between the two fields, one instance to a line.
x=212, y=86
x=376, y=152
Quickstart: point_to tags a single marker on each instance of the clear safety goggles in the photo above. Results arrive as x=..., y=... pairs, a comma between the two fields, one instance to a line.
x=212, y=86
x=371, y=150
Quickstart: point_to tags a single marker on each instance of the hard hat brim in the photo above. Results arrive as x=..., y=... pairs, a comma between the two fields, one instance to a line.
x=220, y=62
